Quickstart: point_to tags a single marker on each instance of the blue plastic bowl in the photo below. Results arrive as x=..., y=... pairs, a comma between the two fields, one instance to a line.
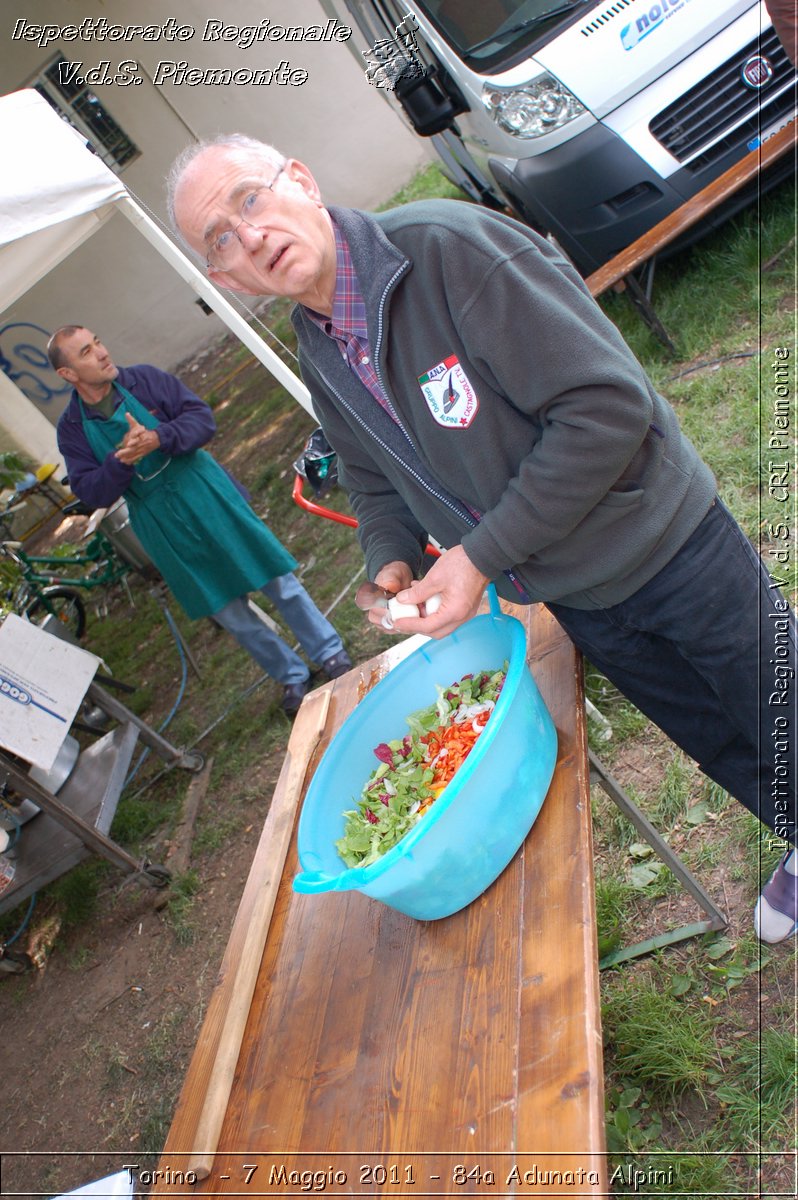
x=478, y=822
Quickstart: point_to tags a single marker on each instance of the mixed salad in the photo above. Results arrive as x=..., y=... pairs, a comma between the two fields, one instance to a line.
x=414, y=770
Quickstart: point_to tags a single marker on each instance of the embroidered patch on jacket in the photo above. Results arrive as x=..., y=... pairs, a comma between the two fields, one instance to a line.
x=449, y=395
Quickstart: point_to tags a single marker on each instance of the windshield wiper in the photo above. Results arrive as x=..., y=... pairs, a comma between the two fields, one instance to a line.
x=502, y=34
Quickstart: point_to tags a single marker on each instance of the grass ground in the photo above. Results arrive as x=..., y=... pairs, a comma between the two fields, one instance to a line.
x=699, y=1039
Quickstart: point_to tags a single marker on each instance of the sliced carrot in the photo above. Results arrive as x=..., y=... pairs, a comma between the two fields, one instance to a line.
x=448, y=746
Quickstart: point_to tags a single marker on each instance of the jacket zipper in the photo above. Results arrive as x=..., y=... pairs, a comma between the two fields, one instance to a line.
x=363, y=424
x=381, y=310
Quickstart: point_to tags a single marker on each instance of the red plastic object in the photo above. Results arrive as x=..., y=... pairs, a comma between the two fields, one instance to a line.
x=311, y=506
x=320, y=511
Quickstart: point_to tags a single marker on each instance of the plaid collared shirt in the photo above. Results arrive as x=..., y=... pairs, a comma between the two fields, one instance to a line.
x=347, y=324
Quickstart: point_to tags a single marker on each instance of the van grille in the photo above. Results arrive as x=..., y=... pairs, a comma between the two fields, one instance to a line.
x=721, y=112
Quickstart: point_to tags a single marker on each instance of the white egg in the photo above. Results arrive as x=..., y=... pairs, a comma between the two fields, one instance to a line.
x=397, y=611
x=433, y=604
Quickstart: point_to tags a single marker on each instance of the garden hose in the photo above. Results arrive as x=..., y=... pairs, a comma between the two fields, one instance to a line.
x=181, y=692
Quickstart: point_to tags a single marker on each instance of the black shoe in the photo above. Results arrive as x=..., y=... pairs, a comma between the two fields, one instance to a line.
x=337, y=665
x=293, y=695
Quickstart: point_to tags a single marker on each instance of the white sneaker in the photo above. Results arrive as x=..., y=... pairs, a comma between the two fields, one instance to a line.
x=776, y=912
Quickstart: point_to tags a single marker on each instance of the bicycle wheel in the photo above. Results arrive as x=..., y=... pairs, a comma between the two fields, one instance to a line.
x=62, y=603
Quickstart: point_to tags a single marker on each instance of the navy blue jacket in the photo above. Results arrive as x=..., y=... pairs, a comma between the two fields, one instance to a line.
x=186, y=424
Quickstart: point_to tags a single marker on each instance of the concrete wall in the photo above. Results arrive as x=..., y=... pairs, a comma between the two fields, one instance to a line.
x=24, y=430
x=115, y=283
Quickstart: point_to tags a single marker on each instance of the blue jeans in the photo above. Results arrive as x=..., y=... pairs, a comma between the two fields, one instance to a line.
x=707, y=650
x=314, y=632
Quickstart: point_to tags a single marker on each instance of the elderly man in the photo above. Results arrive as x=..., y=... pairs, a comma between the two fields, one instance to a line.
x=136, y=432
x=473, y=390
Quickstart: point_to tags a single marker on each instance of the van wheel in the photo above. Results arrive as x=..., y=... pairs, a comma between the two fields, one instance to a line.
x=583, y=266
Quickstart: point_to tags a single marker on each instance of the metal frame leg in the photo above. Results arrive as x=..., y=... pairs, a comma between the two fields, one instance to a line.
x=642, y=303
x=190, y=761
x=600, y=775
x=92, y=838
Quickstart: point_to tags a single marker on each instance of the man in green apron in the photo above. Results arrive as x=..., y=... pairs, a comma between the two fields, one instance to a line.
x=136, y=432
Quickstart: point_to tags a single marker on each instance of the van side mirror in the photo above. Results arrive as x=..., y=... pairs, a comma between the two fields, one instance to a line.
x=429, y=109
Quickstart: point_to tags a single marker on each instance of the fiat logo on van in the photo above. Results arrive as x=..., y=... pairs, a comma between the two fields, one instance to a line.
x=757, y=71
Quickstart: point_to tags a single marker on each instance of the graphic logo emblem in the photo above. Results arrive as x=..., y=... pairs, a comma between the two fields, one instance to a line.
x=756, y=71
x=647, y=22
x=449, y=395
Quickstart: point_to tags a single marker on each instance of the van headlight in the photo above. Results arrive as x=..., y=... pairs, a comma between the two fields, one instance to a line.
x=532, y=109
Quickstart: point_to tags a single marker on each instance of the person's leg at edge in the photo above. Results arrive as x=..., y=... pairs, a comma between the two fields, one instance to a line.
x=313, y=631
x=268, y=649
x=697, y=650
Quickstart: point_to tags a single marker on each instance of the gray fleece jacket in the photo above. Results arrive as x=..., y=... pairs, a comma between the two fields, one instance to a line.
x=516, y=400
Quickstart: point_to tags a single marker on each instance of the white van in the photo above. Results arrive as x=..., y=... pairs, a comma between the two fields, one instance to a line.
x=593, y=119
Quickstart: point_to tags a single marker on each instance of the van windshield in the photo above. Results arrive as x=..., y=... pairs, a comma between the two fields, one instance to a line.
x=481, y=29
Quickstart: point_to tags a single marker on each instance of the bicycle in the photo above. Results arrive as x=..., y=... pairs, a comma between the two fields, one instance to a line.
x=21, y=595
x=36, y=592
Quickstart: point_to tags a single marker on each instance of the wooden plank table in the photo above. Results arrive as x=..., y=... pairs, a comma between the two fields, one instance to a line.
x=406, y=1058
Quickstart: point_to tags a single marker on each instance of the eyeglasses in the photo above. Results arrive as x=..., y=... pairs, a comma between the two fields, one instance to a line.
x=225, y=246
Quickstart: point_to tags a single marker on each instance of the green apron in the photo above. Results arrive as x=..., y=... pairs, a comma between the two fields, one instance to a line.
x=191, y=519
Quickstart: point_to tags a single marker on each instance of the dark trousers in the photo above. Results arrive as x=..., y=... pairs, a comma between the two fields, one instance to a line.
x=707, y=650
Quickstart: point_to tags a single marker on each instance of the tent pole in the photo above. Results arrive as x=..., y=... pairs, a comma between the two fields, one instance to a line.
x=204, y=288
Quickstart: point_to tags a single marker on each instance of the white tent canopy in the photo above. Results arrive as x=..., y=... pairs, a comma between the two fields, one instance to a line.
x=54, y=193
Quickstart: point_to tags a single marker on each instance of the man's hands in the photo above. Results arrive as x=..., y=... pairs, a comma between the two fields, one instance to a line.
x=454, y=577
x=137, y=442
x=394, y=577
